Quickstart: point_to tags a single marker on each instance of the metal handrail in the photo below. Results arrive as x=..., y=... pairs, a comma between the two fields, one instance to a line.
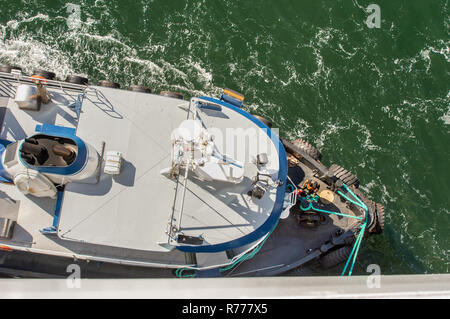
x=21, y=78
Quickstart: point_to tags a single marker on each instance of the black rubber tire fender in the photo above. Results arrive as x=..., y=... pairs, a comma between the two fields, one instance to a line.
x=371, y=205
x=378, y=227
x=75, y=79
x=308, y=148
x=335, y=257
x=6, y=68
x=344, y=175
x=45, y=74
x=109, y=84
x=380, y=216
x=140, y=88
x=174, y=95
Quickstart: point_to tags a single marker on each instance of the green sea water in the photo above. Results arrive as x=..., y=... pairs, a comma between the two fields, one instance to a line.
x=373, y=100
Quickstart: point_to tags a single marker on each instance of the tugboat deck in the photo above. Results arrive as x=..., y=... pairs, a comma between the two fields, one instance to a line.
x=133, y=210
x=125, y=217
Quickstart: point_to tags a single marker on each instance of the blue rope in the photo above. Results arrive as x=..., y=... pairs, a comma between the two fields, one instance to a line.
x=360, y=203
x=179, y=273
x=248, y=255
x=354, y=250
x=314, y=198
x=358, y=241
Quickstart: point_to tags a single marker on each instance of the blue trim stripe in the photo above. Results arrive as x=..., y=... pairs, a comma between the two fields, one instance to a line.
x=278, y=206
x=54, y=129
x=4, y=176
x=58, y=209
x=5, y=180
x=5, y=142
x=52, y=229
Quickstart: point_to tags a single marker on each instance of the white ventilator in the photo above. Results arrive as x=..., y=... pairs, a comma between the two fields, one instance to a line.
x=113, y=163
x=26, y=97
x=194, y=149
x=31, y=182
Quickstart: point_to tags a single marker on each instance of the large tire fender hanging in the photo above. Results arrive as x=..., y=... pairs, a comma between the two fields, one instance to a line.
x=377, y=226
x=308, y=149
x=344, y=175
x=174, y=95
x=140, y=88
x=45, y=74
x=109, y=84
x=6, y=68
x=75, y=79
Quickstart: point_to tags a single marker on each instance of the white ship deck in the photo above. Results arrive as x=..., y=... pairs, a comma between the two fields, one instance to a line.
x=134, y=209
x=126, y=216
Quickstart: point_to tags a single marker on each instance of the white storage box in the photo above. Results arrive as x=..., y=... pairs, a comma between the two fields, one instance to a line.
x=113, y=163
x=27, y=97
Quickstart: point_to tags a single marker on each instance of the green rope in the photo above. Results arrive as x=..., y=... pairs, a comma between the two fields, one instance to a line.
x=358, y=241
x=249, y=255
x=179, y=273
x=292, y=187
x=361, y=204
x=354, y=250
x=314, y=198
